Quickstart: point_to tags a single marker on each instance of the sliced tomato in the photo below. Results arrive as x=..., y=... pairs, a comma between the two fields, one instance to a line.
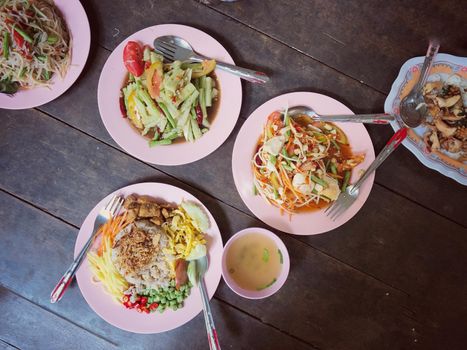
x=133, y=58
x=23, y=46
x=154, y=76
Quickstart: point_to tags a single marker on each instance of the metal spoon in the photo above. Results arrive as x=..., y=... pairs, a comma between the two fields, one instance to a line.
x=176, y=48
x=201, y=268
x=413, y=109
x=379, y=118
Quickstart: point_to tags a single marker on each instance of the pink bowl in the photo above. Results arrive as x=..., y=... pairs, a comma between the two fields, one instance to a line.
x=264, y=293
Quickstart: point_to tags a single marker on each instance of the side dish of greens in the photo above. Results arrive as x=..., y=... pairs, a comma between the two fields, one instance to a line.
x=165, y=101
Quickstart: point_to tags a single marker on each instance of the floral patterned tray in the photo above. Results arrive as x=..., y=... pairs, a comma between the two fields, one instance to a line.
x=443, y=67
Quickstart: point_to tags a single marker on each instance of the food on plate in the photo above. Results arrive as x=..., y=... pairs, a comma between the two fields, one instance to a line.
x=35, y=44
x=302, y=164
x=447, y=124
x=142, y=255
x=254, y=261
x=166, y=102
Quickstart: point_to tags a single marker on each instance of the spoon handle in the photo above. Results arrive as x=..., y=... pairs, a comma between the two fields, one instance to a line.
x=244, y=73
x=210, y=328
x=430, y=55
x=379, y=118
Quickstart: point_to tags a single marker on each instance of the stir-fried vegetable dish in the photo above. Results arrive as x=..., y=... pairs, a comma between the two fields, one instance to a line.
x=302, y=164
x=35, y=44
x=167, y=101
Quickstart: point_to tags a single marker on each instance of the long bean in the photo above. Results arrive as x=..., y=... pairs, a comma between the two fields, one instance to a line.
x=6, y=45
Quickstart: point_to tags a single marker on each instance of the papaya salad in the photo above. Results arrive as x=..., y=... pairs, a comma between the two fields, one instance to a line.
x=144, y=258
x=302, y=164
x=35, y=44
x=167, y=101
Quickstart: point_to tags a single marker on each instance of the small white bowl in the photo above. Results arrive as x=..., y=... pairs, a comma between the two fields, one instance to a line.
x=264, y=293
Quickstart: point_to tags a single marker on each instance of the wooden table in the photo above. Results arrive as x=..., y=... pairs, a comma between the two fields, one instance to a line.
x=394, y=277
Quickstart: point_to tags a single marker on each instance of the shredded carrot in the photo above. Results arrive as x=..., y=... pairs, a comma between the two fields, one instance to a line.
x=110, y=230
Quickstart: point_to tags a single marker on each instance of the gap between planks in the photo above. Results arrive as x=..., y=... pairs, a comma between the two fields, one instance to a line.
x=56, y=314
x=8, y=345
x=295, y=48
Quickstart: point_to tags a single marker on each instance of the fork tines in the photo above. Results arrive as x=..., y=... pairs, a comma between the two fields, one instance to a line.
x=114, y=205
x=166, y=49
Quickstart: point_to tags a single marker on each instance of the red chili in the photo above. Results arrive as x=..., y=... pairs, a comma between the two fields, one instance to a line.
x=139, y=309
x=145, y=310
x=143, y=301
x=153, y=306
x=122, y=106
x=125, y=299
x=199, y=115
x=147, y=64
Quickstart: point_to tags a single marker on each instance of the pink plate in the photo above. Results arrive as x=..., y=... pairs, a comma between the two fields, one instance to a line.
x=131, y=320
x=78, y=25
x=312, y=222
x=113, y=77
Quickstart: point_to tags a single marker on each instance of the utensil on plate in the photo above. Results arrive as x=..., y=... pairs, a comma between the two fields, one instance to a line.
x=347, y=198
x=201, y=268
x=175, y=48
x=413, y=112
x=413, y=109
x=378, y=118
x=109, y=211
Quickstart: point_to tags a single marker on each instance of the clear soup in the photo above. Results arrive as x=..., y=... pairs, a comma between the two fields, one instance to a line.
x=254, y=262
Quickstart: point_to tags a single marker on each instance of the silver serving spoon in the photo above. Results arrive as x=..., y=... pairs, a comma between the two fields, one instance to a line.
x=379, y=118
x=413, y=109
x=175, y=48
x=201, y=268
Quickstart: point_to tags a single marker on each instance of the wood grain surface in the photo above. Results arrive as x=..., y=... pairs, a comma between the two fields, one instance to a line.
x=393, y=277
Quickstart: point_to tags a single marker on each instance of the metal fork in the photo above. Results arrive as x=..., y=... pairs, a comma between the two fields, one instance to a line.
x=109, y=211
x=347, y=198
x=174, y=48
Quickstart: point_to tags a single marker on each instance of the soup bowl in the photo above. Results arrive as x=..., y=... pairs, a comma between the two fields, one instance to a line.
x=283, y=273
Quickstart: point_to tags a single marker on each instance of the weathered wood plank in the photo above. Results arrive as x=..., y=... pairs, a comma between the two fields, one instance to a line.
x=27, y=326
x=336, y=289
x=48, y=243
x=6, y=346
x=291, y=71
x=366, y=40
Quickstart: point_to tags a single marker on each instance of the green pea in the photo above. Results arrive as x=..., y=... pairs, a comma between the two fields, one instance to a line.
x=179, y=299
x=163, y=300
x=174, y=307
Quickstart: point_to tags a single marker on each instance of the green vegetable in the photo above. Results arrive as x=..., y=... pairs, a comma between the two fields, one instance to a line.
x=52, y=39
x=255, y=190
x=46, y=75
x=267, y=285
x=8, y=87
x=42, y=58
x=191, y=272
x=333, y=168
x=318, y=180
x=335, y=144
x=6, y=45
x=197, y=215
x=345, y=183
x=23, y=34
x=280, y=256
x=265, y=255
x=208, y=90
x=153, y=143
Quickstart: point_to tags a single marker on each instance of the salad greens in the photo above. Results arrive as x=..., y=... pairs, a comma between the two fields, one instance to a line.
x=169, y=101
